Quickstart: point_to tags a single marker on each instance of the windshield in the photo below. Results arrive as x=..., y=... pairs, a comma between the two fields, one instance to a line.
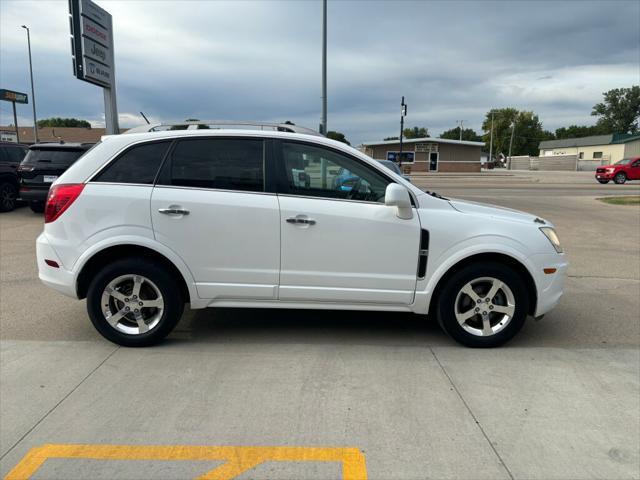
x=391, y=166
x=624, y=161
x=58, y=156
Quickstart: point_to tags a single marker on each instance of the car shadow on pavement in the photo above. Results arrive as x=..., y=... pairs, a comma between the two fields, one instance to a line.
x=284, y=326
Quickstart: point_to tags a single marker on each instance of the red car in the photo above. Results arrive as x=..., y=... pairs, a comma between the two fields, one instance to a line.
x=620, y=172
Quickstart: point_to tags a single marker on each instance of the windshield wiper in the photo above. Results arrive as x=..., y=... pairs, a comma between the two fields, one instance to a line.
x=436, y=195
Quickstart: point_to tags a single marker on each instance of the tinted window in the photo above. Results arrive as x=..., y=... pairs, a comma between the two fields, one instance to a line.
x=10, y=154
x=139, y=164
x=318, y=172
x=57, y=156
x=229, y=164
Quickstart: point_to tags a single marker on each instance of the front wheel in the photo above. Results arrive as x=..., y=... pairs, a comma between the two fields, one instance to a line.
x=134, y=302
x=483, y=305
x=620, y=178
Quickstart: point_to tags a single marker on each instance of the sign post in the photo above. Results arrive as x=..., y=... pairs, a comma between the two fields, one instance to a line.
x=92, y=53
x=14, y=97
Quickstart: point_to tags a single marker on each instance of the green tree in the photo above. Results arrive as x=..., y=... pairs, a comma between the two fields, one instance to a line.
x=63, y=122
x=527, y=134
x=413, y=132
x=577, y=131
x=416, y=132
x=620, y=110
x=339, y=136
x=467, y=134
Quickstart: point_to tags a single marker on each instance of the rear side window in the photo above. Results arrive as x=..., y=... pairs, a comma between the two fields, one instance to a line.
x=139, y=164
x=227, y=164
x=54, y=156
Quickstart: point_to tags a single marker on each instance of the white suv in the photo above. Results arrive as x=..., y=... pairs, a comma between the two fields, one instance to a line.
x=144, y=223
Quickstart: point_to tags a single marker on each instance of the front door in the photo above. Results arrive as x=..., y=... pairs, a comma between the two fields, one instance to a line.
x=340, y=243
x=634, y=171
x=433, y=161
x=210, y=207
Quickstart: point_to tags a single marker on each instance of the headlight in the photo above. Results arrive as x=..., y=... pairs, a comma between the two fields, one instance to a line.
x=551, y=234
x=610, y=170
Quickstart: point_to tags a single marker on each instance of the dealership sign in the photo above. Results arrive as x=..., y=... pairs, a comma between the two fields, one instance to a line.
x=11, y=96
x=91, y=43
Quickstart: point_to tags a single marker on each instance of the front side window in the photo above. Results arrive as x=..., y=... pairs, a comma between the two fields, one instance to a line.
x=139, y=164
x=319, y=172
x=624, y=161
x=228, y=164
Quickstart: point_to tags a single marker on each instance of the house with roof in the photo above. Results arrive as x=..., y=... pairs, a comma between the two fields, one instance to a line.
x=604, y=149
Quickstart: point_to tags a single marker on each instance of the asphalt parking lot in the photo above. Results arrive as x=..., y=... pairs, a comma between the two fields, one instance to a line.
x=323, y=395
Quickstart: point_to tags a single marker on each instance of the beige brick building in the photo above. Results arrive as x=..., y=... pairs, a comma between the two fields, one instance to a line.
x=429, y=154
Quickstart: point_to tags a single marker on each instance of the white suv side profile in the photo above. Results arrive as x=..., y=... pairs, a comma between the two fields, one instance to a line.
x=145, y=223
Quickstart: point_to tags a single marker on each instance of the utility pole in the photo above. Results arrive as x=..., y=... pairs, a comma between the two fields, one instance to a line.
x=33, y=93
x=513, y=127
x=491, y=140
x=323, y=122
x=403, y=113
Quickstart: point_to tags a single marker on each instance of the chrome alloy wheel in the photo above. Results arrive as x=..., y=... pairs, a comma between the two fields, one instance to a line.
x=484, y=306
x=132, y=304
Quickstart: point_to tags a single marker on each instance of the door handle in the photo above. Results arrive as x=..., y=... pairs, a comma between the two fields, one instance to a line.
x=301, y=221
x=173, y=211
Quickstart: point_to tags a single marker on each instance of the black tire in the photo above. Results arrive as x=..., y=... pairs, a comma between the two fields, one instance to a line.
x=169, y=289
x=8, y=196
x=36, y=207
x=603, y=181
x=447, y=304
x=620, y=178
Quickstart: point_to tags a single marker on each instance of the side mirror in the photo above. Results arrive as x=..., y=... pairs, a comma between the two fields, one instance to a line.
x=397, y=196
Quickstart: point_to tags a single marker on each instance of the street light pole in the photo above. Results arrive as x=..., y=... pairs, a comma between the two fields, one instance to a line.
x=513, y=127
x=323, y=122
x=33, y=94
x=403, y=112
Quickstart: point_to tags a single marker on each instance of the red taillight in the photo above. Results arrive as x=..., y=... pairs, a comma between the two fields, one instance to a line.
x=60, y=198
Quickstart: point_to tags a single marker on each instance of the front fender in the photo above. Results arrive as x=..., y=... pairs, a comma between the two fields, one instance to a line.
x=444, y=260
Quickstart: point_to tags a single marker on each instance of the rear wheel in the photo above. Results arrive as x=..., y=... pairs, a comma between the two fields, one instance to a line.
x=620, y=178
x=8, y=195
x=36, y=207
x=134, y=303
x=603, y=181
x=483, y=305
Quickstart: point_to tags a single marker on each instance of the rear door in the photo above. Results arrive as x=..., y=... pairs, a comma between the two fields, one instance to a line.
x=210, y=206
x=340, y=242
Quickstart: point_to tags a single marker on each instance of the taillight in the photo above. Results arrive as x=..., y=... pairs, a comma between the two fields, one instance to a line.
x=60, y=198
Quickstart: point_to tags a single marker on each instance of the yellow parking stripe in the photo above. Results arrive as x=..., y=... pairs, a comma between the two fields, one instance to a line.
x=237, y=459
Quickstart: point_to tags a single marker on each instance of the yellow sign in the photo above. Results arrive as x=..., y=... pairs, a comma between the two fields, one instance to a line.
x=237, y=459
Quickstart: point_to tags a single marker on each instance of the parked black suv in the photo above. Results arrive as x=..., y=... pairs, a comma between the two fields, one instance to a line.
x=43, y=164
x=11, y=154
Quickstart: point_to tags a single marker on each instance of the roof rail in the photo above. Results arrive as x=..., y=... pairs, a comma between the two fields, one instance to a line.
x=218, y=124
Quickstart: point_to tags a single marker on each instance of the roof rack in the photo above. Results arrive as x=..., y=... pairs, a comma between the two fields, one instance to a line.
x=219, y=124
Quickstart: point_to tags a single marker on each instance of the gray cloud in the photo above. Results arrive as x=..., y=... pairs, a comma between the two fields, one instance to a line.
x=261, y=60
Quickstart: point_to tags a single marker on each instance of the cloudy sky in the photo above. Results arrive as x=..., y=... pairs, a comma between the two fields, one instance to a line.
x=261, y=60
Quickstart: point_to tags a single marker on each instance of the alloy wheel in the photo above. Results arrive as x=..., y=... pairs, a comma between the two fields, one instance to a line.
x=132, y=304
x=484, y=306
x=7, y=197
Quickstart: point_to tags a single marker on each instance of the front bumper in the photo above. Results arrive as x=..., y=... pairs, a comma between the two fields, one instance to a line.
x=550, y=286
x=604, y=176
x=58, y=278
